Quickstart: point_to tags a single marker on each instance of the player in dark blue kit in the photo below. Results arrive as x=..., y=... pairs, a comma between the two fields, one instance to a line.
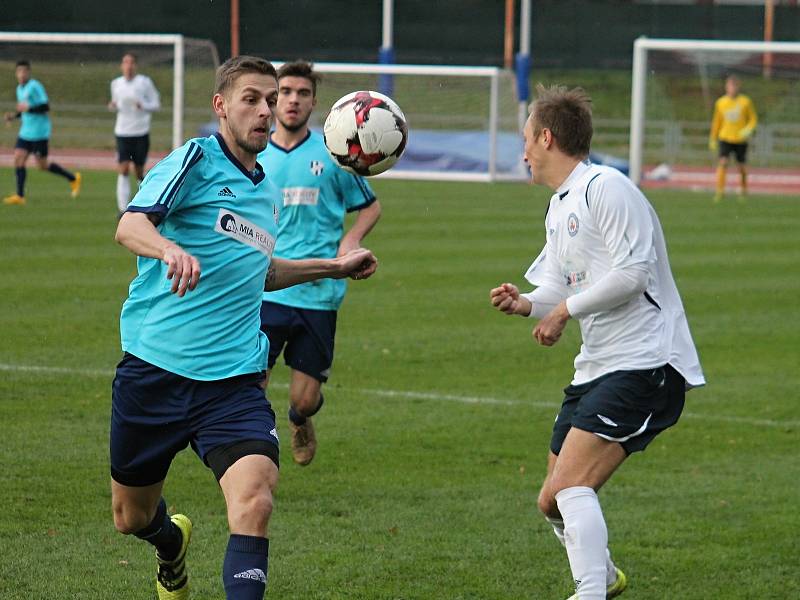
x=195, y=357
x=34, y=133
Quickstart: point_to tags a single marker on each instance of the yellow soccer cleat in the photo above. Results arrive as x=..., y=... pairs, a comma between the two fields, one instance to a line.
x=172, y=581
x=615, y=589
x=618, y=586
x=14, y=199
x=75, y=186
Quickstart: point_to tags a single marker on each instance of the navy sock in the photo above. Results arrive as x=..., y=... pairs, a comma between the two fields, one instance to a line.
x=59, y=170
x=298, y=419
x=295, y=417
x=20, y=172
x=244, y=572
x=162, y=533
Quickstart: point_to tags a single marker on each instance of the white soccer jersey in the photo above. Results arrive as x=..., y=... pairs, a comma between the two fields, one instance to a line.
x=135, y=99
x=599, y=223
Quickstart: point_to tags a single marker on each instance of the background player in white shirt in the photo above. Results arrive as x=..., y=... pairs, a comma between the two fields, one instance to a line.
x=133, y=98
x=605, y=264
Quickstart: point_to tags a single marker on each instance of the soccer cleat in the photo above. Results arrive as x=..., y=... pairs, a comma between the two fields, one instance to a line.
x=75, y=186
x=618, y=586
x=304, y=442
x=615, y=589
x=172, y=581
x=14, y=199
x=717, y=198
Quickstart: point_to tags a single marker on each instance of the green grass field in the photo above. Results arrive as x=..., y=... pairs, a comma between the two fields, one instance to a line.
x=436, y=426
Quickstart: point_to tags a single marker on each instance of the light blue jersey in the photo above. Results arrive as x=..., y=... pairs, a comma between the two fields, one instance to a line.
x=227, y=218
x=35, y=126
x=316, y=195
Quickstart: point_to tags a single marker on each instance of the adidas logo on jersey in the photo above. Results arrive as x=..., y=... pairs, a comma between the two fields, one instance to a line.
x=254, y=574
x=226, y=192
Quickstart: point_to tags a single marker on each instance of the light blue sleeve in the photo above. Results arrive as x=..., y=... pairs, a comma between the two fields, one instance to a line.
x=38, y=95
x=354, y=190
x=161, y=190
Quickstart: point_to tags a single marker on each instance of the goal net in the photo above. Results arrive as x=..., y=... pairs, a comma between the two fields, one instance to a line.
x=674, y=88
x=462, y=120
x=77, y=69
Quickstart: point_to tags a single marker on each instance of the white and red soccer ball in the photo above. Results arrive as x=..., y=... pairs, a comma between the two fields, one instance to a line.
x=365, y=133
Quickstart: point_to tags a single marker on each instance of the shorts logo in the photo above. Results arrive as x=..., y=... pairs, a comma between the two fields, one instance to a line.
x=242, y=230
x=316, y=167
x=572, y=224
x=606, y=420
x=226, y=192
x=274, y=433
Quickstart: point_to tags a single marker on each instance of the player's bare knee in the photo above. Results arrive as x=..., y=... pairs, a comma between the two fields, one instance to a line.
x=306, y=404
x=128, y=520
x=251, y=512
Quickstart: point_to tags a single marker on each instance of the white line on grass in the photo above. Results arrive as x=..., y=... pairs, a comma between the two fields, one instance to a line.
x=410, y=395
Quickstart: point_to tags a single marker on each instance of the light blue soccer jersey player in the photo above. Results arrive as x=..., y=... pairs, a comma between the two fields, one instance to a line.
x=316, y=195
x=33, y=106
x=203, y=225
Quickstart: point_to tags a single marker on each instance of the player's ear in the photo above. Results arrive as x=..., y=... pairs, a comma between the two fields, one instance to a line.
x=218, y=104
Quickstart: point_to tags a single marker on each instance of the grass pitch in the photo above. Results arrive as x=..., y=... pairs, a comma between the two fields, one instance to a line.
x=436, y=426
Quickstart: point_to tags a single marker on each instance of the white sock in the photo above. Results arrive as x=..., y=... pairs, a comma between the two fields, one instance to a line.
x=123, y=192
x=558, y=529
x=586, y=540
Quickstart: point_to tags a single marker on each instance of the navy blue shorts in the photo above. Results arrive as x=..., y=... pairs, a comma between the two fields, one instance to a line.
x=305, y=337
x=39, y=147
x=629, y=407
x=155, y=414
x=133, y=148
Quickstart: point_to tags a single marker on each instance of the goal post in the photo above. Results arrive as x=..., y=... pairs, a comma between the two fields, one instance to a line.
x=736, y=56
x=176, y=44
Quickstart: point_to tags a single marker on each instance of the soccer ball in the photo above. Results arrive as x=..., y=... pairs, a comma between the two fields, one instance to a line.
x=365, y=133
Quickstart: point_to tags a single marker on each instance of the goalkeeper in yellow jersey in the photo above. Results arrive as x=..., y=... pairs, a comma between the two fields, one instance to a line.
x=732, y=125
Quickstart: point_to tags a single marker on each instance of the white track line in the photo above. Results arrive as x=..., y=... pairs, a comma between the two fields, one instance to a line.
x=410, y=395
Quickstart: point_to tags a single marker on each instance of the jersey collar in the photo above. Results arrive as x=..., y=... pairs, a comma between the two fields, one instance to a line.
x=576, y=174
x=285, y=150
x=256, y=175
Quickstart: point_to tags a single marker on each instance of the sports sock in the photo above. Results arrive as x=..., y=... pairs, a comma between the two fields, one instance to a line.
x=59, y=170
x=123, y=191
x=298, y=419
x=558, y=529
x=244, y=571
x=721, y=171
x=162, y=533
x=21, y=173
x=586, y=540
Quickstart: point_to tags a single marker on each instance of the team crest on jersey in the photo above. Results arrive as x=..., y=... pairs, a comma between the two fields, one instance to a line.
x=276, y=213
x=316, y=167
x=572, y=224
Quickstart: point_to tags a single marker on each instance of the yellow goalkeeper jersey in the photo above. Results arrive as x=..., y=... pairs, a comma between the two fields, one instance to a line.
x=734, y=119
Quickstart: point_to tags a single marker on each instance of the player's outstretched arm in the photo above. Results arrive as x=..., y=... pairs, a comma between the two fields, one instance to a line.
x=506, y=298
x=356, y=264
x=138, y=234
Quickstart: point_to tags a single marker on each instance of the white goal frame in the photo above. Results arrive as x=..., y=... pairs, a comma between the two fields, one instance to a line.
x=158, y=39
x=492, y=73
x=639, y=79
